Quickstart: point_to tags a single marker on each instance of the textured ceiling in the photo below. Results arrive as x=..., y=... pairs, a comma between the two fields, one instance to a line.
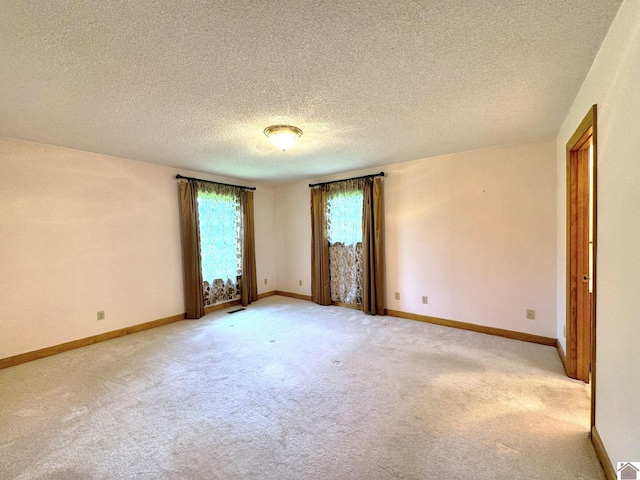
x=192, y=84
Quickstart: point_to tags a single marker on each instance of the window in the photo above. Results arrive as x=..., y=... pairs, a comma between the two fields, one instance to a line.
x=344, y=214
x=344, y=233
x=221, y=232
x=347, y=243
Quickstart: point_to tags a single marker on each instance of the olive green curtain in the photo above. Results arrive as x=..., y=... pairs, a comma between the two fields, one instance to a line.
x=320, y=282
x=248, y=283
x=191, y=261
x=373, y=257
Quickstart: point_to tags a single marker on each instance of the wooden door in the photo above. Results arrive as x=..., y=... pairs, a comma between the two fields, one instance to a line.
x=581, y=221
x=580, y=259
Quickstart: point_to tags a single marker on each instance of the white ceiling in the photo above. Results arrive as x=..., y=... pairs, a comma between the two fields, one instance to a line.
x=192, y=84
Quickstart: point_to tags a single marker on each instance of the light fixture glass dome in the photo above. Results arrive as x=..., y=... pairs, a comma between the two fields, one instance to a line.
x=283, y=136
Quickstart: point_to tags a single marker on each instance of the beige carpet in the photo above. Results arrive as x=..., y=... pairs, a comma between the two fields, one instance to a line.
x=290, y=390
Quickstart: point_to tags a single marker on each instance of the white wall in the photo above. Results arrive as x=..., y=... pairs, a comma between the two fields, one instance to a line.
x=81, y=232
x=614, y=85
x=475, y=232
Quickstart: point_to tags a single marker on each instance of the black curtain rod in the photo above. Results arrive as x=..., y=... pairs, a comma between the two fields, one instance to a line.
x=381, y=174
x=211, y=181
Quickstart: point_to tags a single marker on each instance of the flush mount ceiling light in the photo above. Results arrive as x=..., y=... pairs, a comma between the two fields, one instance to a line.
x=283, y=136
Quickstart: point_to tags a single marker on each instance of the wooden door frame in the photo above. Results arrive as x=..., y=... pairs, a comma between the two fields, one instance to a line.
x=586, y=129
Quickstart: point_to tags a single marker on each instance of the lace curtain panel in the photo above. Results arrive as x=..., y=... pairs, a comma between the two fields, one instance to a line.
x=344, y=233
x=221, y=233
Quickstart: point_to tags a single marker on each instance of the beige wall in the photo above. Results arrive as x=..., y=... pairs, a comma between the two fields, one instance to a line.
x=293, y=238
x=265, y=236
x=475, y=232
x=81, y=232
x=614, y=85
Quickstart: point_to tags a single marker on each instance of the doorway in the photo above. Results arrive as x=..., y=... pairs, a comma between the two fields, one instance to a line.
x=581, y=252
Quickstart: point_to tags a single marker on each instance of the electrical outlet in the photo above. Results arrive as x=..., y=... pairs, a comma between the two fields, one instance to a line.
x=397, y=295
x=265, y=281
x=300, y=282
x=101, y=315
x=531, y=314
x=425, y=299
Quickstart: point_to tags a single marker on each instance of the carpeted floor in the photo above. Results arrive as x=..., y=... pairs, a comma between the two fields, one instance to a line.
x=287, y=389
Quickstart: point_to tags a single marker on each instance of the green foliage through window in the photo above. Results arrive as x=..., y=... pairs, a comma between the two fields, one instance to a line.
x=220, y=218
x=344, y=218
